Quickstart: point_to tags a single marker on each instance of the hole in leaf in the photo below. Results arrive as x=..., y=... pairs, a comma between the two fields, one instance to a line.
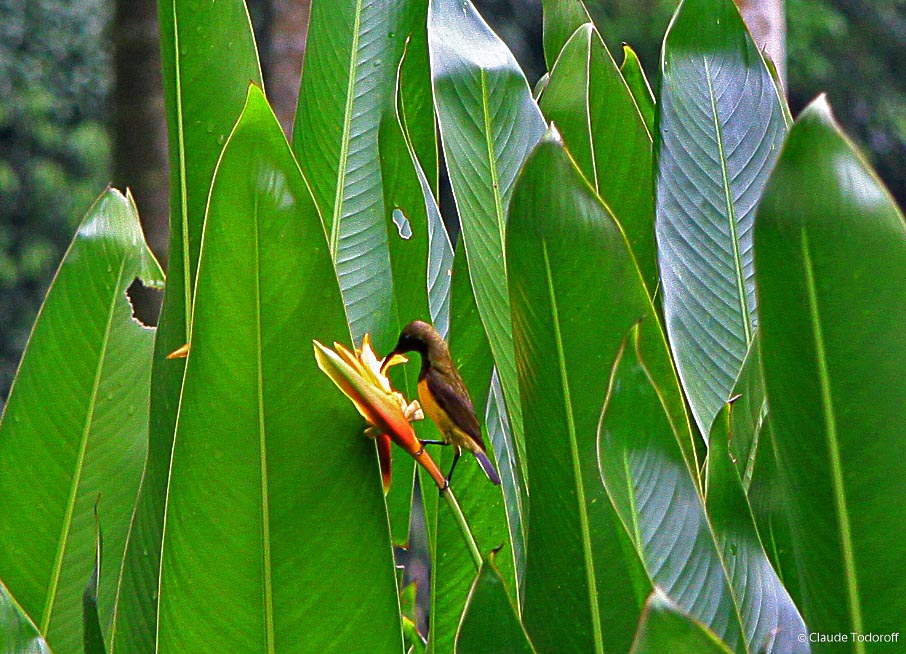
x=145, y=302
x=402, y=224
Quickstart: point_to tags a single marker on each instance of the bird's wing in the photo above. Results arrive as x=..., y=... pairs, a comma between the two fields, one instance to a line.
x=455, y=403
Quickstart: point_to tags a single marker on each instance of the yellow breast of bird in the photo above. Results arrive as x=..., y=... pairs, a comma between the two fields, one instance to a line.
x=445, y=424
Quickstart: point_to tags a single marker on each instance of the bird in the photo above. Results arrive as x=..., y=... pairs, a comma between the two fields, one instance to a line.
x=443, y=395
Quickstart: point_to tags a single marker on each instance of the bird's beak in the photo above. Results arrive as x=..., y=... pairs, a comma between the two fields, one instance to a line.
x=392, y=359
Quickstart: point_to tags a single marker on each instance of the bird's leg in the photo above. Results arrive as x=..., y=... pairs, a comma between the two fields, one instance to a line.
x=429, y=442
x=457, y=452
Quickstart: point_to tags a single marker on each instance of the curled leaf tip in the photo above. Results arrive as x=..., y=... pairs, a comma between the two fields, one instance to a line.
x=179, y=353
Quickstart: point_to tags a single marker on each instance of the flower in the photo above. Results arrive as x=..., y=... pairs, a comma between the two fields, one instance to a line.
x=359, y=376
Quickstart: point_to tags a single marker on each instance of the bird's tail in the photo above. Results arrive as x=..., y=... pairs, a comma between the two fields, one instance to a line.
x=488, y=467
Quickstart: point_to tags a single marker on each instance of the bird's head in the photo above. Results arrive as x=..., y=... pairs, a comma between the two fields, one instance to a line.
x=417, y=336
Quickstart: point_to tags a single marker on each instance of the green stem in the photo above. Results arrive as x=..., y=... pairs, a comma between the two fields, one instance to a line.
x=463, y=527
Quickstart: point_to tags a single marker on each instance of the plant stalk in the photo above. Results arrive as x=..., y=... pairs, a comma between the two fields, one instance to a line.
x=463, y=526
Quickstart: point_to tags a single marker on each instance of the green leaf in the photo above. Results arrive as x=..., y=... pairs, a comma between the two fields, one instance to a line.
x=490, y=623
x=561, y=19
x=830, y=249
x=348, y=82
x=666, y=628
x=481, y=502
x=771, y=621
x=209, y=56
x=275, y=522
x=76, y=424
x=637, y=81
x=488, y=125
x=721, y=125
x=569, y=265
x=591, y=105
x=654, y=493
x=18, y=634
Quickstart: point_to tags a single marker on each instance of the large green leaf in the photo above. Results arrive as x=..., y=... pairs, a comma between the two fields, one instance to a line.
x=830, y=249
x=770, y=620
x=18, y=634
x=490, y=623
x=275, y=531
x=654, y=493
x=452, y=569
x=76, y=425
x=348, y=82
x=569, y=265
x=589, y=102
x=666, y=628
x=561, y=19
x=488, y=125
x=209, y=57
x=721, y=124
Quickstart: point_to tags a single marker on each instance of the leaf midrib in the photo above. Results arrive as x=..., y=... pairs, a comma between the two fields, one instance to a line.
x=492, y=164
x=347, y=126
x=56, y=571
x=576, y=463
x=270, y=634
x=742, y=298
x=833, y=445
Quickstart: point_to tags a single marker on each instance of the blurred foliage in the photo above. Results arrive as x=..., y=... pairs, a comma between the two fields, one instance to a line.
x=854, y=50
x=55, y=74
x=54, y=149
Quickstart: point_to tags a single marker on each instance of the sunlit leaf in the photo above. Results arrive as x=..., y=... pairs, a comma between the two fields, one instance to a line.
x=275, y=522
x=76, y=425
x=569, y=265
x=721, y=124
x=830, y=249
x=348, y=84
x=652, y=489
x=488, y=125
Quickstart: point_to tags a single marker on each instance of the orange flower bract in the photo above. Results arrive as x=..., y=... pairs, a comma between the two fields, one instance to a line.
x=358, y=375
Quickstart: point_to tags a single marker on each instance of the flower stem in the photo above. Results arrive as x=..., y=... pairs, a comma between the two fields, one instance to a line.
x=463, y=527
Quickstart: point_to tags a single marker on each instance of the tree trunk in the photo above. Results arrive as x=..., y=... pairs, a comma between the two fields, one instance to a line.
x=766, y=20
x=140, y=132
x=283, y=50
